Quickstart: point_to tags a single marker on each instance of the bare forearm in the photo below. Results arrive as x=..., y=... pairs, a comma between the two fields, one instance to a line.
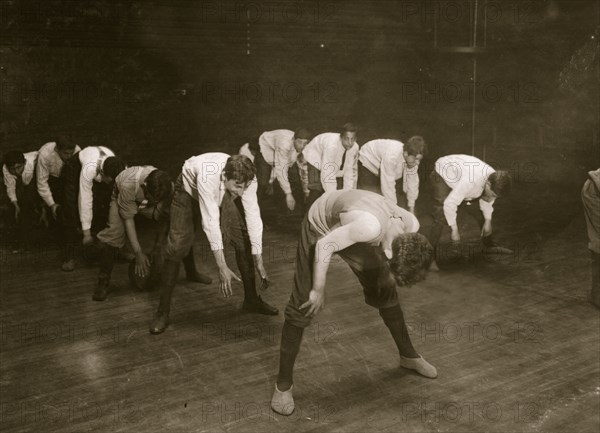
x=258, y=260
x=220, y=258
x=132, y=235
x=320, y=267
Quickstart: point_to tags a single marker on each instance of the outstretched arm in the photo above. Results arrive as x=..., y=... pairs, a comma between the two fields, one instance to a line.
x=142, y=263
x=357, y=226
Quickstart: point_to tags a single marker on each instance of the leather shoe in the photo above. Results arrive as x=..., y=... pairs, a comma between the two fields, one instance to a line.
x=68, y=266
x=101, y=292
x=160, y=323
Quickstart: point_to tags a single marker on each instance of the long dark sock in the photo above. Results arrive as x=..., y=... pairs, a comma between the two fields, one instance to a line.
x=189, y=264
x=291, y=337
x=394, y=320
x=168, y=278
x=108, y=256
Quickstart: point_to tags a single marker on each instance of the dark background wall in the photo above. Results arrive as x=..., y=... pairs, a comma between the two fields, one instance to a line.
x=159, y=81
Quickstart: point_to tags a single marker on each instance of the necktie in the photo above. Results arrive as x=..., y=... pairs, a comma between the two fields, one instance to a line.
x=343, y=160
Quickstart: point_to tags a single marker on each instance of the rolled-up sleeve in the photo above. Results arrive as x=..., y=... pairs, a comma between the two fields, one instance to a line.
x=410, y=184
x=209, y=209
x=42, y=176
x=454, y=199
x=387, y=176
x=253, y=220
x=86, y=198
x=487, y=208
x=281, y=164
x=11, y=184
x=128, y=207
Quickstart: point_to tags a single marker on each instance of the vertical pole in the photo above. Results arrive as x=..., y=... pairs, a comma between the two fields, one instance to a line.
x=435, y=42
x=247, y=31
x=485, y=24
x=474, y=79
x=474, y=105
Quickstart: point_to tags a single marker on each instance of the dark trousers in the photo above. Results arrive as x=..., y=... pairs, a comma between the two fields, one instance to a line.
x=297, y=191
x=315, y=187
x=101, y=193
x=371, y=182
x=30, y=205
x=440, y=191
x=263, y=175
x=57, y=189
x=184, y=216
x=368, y=181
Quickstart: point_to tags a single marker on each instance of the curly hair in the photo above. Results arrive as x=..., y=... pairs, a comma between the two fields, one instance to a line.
x=240, y=168
x=412, y=256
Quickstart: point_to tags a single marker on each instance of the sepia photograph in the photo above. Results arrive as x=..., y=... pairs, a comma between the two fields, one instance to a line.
x=333, y=216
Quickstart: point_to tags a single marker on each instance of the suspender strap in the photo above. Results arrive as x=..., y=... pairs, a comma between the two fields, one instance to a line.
x=100, y=160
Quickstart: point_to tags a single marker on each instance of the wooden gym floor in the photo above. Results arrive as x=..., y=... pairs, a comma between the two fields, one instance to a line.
x=514, y=339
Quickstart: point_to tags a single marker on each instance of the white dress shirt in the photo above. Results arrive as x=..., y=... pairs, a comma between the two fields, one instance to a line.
x=385, y=158
x=203, y=179
x=277, y=148
x=325, y=152
x=48, y=164
x=10, y=180
x=245, y=150
x=92, y=159
x=467, y=176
